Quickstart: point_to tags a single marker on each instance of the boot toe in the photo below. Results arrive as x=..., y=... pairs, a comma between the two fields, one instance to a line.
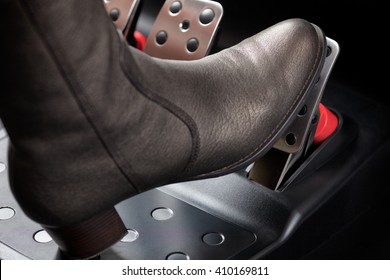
x=262, y=84
x=236, y=103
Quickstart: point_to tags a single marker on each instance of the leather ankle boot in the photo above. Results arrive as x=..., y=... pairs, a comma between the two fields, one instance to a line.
x=93, y=121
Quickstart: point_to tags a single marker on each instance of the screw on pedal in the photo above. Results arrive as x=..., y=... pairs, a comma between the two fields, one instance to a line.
x=184, y=30
x=271, y=170
x=122, y=13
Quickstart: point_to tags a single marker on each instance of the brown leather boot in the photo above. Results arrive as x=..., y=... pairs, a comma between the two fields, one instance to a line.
x=93, y=121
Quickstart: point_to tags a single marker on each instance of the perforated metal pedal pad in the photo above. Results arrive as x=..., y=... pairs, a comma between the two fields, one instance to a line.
x=184, y=29
x=121, y=12
x=271, y=170
x=296, y=135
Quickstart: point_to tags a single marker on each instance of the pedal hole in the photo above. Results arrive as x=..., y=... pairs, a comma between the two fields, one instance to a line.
x=192, y=45
x=314, y=120
x=291, y=139
x=207, y=16
x=175, y=7
x=185, y=25
x=328, y=51
x=161, y=37
x=114, y=14
x=303, y=111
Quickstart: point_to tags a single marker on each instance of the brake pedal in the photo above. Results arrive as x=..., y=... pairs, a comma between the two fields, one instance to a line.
x=122, y=13
x=184, y=29
x=271, y=170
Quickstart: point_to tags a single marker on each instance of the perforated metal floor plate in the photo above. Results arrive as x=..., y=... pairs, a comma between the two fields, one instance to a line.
x=184, y=30
x=169, y=227
x=160, y=227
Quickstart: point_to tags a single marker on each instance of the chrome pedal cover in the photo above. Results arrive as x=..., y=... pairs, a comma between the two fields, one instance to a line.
x=121, y=12
x=184, y=29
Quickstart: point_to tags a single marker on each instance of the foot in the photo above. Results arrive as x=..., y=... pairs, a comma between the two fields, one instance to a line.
x=93, y=121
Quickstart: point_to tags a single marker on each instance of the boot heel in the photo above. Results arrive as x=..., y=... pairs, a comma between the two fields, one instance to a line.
x=89, y=238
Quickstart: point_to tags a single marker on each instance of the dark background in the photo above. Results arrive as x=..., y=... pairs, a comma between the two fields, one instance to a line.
x=358, y=27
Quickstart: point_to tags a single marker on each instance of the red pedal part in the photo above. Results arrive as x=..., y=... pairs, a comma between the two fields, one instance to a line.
x=327, y=125
x=140, y=40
